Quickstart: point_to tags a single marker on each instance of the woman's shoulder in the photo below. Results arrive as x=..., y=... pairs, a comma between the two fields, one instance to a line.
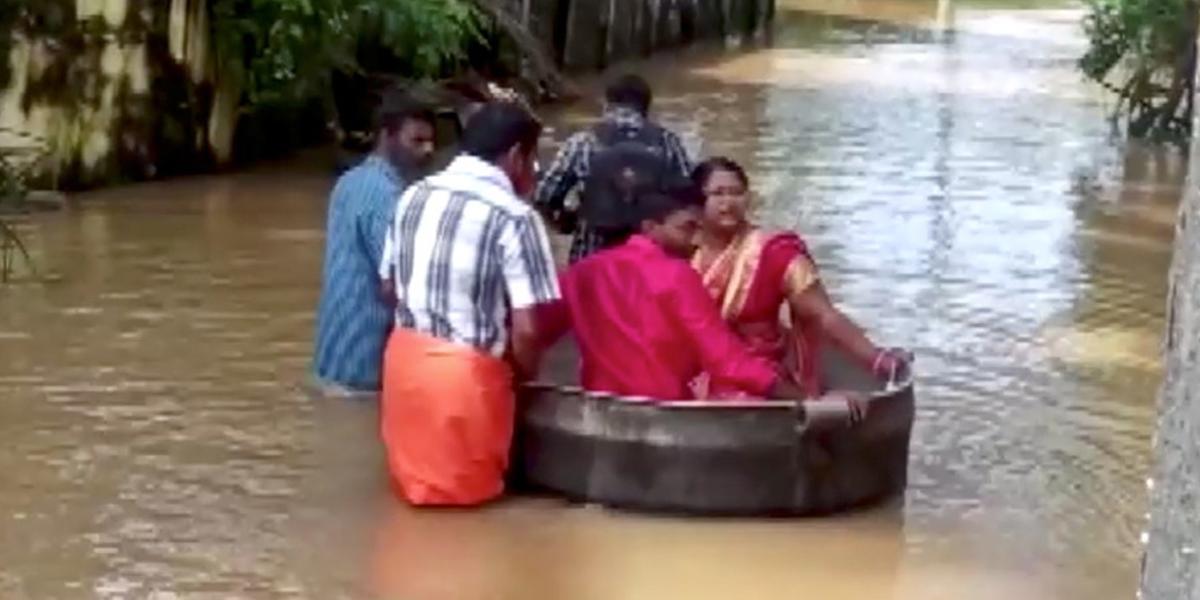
x=781, y=240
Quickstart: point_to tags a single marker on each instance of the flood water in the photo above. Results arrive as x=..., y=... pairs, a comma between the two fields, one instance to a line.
x=957, y=183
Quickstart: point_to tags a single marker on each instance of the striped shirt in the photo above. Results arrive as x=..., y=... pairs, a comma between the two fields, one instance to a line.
x=572, y=165
x=352, y=320
x=463, y=251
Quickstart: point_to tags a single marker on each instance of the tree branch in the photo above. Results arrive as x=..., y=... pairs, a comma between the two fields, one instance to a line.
x=545, y=72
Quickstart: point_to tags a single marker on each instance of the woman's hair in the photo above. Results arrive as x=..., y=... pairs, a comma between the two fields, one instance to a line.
x=705, y=170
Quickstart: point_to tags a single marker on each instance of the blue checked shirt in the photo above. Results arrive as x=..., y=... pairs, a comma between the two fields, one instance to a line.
x=571, y=167
x=352, y=320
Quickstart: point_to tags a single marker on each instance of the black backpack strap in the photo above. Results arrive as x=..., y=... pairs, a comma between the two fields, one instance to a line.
x=650, y=135
x=653, y=135
x=606, y=133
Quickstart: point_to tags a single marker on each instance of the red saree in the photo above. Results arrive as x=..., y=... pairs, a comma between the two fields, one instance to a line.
x=751, y=281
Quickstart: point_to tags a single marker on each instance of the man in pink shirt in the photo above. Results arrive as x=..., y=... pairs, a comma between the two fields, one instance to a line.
x=644, y=323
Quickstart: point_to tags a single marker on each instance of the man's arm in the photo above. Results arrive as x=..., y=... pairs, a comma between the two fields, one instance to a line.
x=530, y=279
x=562, y=176
x=722, y=354
x=376, y=227
x=382, y=228
x=387, y=271
x=524, y=345
x=726, y=358
x=677, y=154
x=554, y=318
x=373, y=220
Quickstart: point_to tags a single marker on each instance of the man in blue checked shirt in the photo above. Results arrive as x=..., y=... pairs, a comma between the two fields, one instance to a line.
x=354, y=317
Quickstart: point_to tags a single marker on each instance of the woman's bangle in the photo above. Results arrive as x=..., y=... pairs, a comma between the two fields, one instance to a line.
x=879, y=356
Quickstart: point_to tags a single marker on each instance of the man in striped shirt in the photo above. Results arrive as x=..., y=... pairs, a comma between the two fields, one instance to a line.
x=468, y=262
x=352, y=318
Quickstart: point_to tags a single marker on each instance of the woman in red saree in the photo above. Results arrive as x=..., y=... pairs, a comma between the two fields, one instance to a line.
x=768, y=289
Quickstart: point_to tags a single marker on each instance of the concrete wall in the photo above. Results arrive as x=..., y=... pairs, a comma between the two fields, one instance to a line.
x=119, y=90
x=127, y=89
x=113, y=90
x=1172, y=560
x=100, y=69
x=600, y=32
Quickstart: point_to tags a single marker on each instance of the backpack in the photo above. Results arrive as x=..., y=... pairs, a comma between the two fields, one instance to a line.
x=625, y=163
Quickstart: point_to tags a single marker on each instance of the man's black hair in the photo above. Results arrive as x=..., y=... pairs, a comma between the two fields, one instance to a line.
x=496, y=128
x=630, y=91
x=398, y=106
x=676, y=195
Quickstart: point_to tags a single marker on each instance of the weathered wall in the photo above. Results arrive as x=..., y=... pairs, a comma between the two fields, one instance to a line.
x=116, y=89
x=72, y=90
x=1172, y=563
x=600, y=32
x=127, y=89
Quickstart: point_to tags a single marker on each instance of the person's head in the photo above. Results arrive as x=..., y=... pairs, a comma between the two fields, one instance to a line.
x=726, y=192
x=629, y=91
x=470, y=99
x=505, y=135
x=407, y=130
x=671, y=217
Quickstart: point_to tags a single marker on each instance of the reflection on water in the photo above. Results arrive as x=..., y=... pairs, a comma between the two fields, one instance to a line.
x=959, y=189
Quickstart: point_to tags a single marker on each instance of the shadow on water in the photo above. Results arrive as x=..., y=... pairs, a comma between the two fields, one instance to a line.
x=961, y=194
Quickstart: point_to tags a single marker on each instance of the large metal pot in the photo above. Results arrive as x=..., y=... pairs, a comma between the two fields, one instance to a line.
x=711, y=457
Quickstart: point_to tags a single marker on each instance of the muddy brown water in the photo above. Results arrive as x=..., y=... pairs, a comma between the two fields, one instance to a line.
x=957, y=183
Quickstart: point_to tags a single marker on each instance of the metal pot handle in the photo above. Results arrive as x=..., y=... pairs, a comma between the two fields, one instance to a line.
x=815, y=417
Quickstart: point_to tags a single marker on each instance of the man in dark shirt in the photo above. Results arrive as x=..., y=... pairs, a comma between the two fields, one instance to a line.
x=627, y=106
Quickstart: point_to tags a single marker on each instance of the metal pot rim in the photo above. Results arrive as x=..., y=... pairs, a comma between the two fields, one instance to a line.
x=541, y=386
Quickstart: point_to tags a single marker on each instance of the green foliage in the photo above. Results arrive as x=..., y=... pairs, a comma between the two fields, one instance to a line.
x=1145, y=33
x=1144, y=51
x=285, y=51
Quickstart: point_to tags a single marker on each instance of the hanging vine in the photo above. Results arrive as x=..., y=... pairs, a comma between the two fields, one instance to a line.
x=1145, y=52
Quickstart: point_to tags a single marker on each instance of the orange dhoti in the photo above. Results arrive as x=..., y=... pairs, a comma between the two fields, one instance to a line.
x=446, y=418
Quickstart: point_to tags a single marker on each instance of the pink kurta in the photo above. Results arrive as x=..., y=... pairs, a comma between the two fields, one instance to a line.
x=646, y=326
